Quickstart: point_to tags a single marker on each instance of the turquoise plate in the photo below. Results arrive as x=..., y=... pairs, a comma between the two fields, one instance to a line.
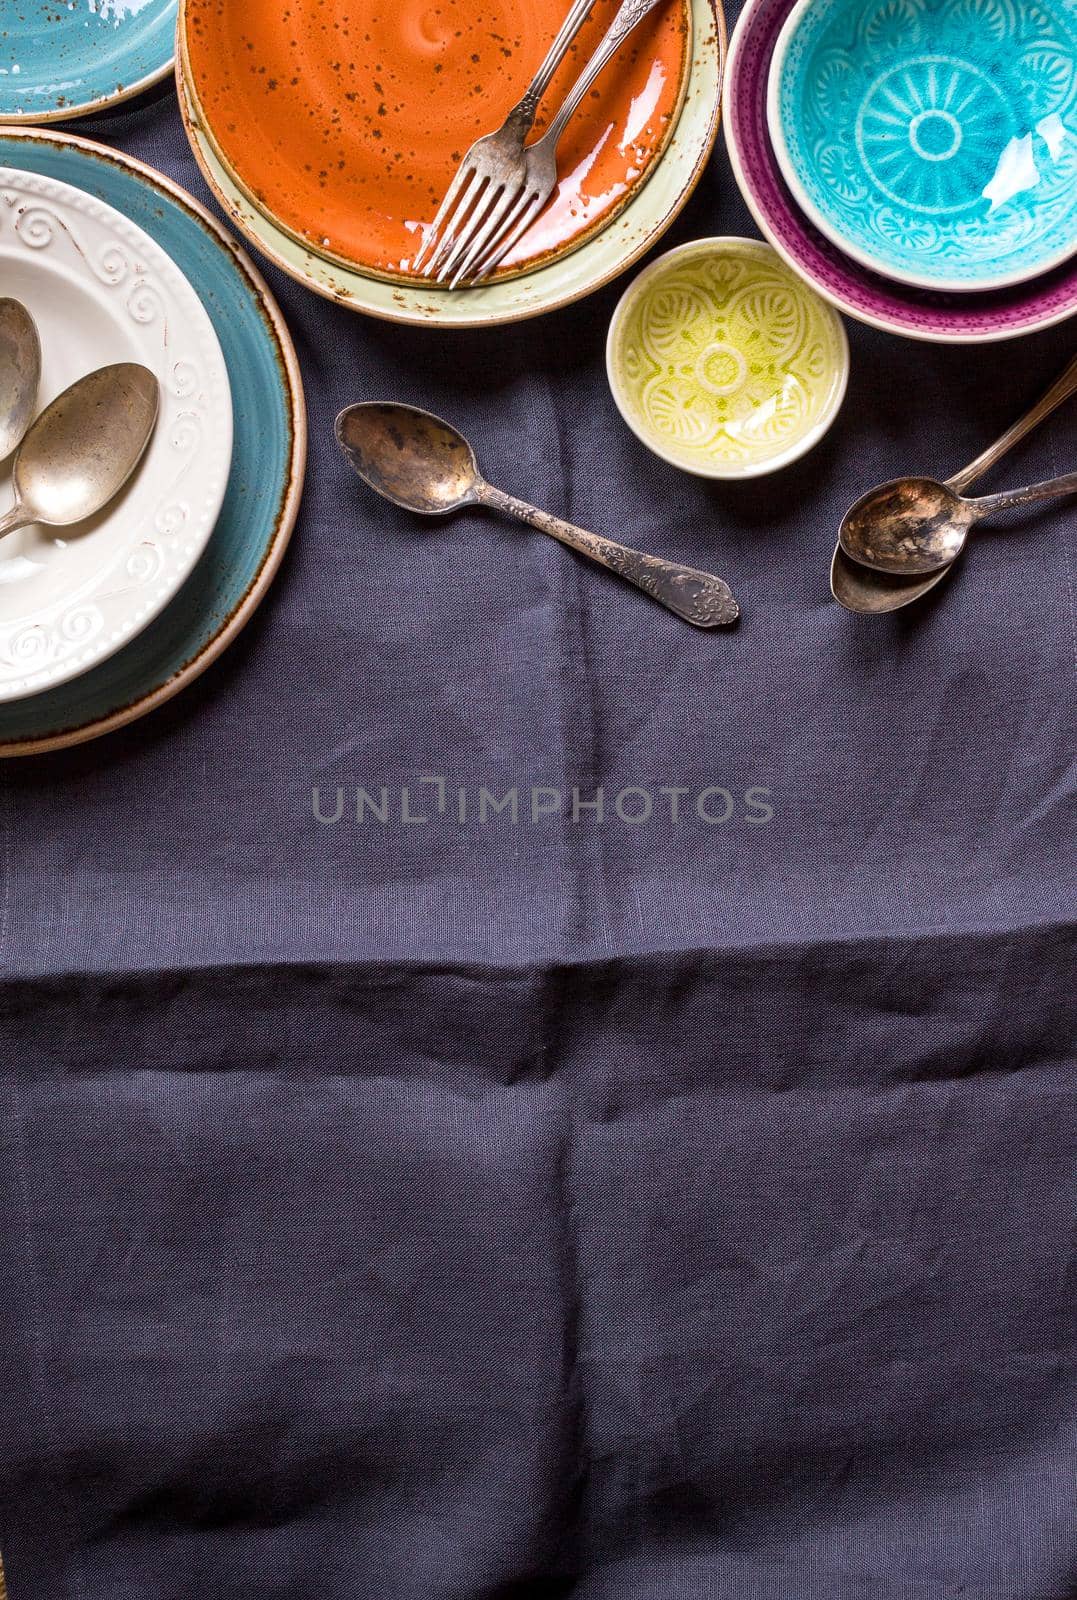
x=67, y=58
x=264, y=491
x=933, y=140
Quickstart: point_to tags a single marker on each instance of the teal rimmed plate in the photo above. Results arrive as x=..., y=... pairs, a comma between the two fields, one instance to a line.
x=264, y=490
x=934, y=141
x=80, y=56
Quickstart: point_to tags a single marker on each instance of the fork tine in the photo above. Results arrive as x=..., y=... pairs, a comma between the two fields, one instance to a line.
x=465, y=234
x=469, y=197
x=524, y=198
x=494, y=259
x=491, y=231
x=430, y=234
x=464, y=196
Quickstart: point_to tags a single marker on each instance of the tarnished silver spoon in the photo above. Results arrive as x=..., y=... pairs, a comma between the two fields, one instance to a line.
x=83, y=448
x=421, y=463
x=870, y=592
x=916, y=525
x=873, y=594
x=20, y=373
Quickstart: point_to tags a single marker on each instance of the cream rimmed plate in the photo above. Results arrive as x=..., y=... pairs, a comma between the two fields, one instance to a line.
x=723, y=362
x=101, y=291
x=353, y=176
x=643, y=221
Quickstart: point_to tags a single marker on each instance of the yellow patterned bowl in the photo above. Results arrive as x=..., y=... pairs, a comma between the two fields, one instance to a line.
x=723, y=362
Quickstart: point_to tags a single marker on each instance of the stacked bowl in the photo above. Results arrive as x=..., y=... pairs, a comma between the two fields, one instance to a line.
x=914, y=160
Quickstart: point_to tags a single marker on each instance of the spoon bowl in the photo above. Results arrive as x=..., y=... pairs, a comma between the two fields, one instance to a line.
x=908, y=525
x=82, y=450
x=411, y=457
x=20, y=373
x=916, y=525
x=874, y=571
x=869, y=593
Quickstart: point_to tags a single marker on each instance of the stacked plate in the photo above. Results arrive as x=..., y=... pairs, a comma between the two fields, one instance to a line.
x=915, y=160
x=330, y=136
x=103, y=621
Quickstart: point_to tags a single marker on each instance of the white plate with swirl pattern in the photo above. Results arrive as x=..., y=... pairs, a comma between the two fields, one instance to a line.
x=101, y=291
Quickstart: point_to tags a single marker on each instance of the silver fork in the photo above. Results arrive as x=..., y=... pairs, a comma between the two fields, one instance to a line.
x=490, y=243
x=494, y=165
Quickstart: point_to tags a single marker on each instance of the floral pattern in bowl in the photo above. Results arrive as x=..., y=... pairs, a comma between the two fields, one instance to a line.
x=723, y=362
x=933, y=140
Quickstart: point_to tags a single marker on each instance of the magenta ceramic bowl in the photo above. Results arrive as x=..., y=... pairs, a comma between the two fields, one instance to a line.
x=941, y=318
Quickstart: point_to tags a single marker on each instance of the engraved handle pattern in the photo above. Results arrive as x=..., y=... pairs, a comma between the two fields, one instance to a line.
x=630, y=16
x=528, y=106
x=1053, y=489
x=1060, y=391
x=698, y=597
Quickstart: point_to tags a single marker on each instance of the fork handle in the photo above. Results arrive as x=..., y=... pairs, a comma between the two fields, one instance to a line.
x=631, y=14
x=698, y=597
x=527, y=110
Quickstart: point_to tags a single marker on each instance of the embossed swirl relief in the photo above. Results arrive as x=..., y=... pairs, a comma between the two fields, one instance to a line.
x=35, y=646
x=31, y=218
x=39, y=225
x=729, y=360
x=934, y=121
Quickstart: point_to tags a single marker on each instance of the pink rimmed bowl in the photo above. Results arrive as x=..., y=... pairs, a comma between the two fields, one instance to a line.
x=939, y=318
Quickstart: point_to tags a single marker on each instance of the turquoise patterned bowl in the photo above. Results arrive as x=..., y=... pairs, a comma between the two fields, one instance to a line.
x=934, y=141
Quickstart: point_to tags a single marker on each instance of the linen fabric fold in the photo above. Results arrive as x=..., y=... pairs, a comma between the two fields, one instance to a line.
x=504, y=1095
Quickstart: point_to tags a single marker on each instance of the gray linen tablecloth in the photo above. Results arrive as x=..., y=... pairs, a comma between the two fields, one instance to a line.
x=631, y=1210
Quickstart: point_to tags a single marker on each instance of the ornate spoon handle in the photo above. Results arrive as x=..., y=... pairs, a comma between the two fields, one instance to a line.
x=698, y=597
x=631, y=14
x=1061, y=390
x=1053, y=489
x=15, y=518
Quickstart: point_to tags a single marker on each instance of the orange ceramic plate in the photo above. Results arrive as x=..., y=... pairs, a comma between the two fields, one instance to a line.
x=345, y=123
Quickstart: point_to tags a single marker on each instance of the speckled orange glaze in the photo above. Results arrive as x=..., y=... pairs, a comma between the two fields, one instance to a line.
x=345, y=119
